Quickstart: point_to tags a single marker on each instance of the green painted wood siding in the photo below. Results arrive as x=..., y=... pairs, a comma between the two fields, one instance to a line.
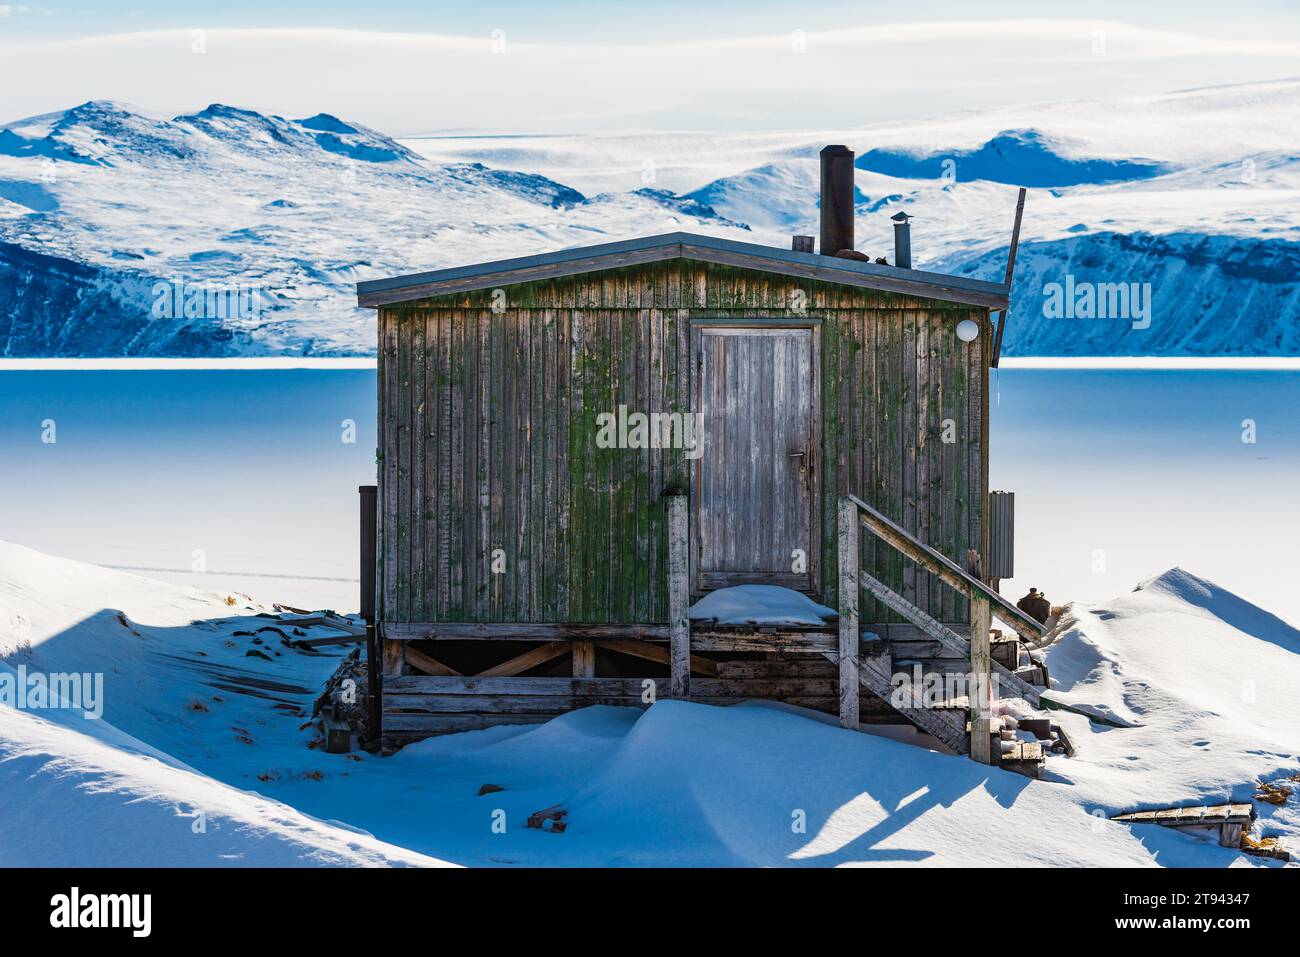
x=488, y=425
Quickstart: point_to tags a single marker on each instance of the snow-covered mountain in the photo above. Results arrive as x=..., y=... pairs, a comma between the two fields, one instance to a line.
x=230, y=232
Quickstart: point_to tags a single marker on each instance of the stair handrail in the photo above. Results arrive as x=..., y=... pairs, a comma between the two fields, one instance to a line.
x=903, y=541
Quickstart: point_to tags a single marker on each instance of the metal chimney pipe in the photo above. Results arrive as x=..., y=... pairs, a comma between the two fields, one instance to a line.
x=902, y=240
x=837, y=199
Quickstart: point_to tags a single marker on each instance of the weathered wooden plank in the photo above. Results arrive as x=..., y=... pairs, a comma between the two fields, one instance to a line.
x=425, y=662
x=392, y=661
x=419, y=512
x=679, y=598
x=803, y=667
x=459, y=378
x=529, y=659
x=403, y=728
x=406, y=445
x=398, y=688
x=504, y=704
x=848, y=625
x=534, y=522
x=435, y=552
x=481, y=557
x=658, y=653
x=560, y=490
x=578, y=631
x=981, y=698
x=778, y=642
x=500, y=463
x=584, y=659
x=388, y=438
x=550, y=395
x=908, y=513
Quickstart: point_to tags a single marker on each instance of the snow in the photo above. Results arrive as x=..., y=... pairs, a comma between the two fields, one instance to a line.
x=92, y=796
x=760, y=605
x=1195, y=192
x=681, y=783
x=80, y=791
x=1205, y=681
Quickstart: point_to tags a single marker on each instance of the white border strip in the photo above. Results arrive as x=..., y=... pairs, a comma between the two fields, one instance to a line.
x=144, y=364
x=1226, y=363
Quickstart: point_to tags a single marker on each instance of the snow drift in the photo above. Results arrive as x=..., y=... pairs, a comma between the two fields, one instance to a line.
x=1205, y=682
x=197, y=729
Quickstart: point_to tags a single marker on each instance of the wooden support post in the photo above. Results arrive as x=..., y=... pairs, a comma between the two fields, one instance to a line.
x=679, y=643
x=367, y=566
x=981, y=701
x=849, y=632
x=394, y=659
x=584, y=659
x=1230, y=834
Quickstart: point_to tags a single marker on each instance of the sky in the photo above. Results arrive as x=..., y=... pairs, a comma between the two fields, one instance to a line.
x=586, y=66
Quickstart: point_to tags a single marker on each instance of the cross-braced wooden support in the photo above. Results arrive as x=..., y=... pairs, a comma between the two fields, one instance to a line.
x=848, y=588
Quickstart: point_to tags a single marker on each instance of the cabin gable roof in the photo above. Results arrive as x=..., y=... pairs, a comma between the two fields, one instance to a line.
x=708, y=249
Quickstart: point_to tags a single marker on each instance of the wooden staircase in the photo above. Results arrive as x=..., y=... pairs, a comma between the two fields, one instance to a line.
x=876, y=673
x=966, y=724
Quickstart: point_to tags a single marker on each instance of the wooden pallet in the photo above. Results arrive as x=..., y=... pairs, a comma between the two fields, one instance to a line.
x=1232, y=820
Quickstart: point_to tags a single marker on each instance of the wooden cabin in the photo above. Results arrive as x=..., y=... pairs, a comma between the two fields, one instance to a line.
x=575, y=446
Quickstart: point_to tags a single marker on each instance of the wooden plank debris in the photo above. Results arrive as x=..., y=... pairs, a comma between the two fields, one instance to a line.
x=1232, y=820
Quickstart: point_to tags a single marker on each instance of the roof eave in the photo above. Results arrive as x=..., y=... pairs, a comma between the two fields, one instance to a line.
x=569, y=262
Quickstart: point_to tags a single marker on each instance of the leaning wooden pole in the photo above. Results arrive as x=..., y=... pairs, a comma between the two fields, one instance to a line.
x=679, y=642
x=1011, y=270
x=849, y=628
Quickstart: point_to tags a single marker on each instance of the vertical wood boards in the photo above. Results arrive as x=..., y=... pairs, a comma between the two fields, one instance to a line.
x=756, y=394
x=488, y=439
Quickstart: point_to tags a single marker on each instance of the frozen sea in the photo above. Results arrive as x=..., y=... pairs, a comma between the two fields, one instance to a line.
x=246, y=479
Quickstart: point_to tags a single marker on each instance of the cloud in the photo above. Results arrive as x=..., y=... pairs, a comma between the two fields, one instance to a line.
x=405, y=83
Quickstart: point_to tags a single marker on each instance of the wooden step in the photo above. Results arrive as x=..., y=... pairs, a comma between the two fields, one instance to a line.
x=1023, y=757
x=875, y=669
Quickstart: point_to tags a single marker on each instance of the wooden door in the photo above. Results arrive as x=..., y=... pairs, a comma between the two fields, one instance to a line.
x=756, y=477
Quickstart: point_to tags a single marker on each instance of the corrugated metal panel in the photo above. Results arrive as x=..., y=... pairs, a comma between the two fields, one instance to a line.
x=1002, y=534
